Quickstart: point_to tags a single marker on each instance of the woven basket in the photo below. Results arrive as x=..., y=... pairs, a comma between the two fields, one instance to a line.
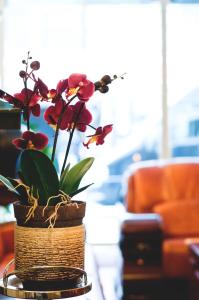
x=59, y=246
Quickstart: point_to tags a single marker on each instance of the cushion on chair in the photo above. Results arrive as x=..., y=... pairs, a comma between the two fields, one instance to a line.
x=181, y=182
x=145, y=189
x=180, y=219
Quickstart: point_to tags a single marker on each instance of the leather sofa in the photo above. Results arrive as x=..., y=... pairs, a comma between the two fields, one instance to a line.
x=169, y=189
x=6, y=244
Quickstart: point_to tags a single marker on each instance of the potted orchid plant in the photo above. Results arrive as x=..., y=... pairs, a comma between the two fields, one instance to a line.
x=45, y=206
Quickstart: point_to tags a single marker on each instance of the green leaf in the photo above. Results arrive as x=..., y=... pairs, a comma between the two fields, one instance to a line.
x=8, y=184
x=63, y=175
x=21, y=177
x=80, y=190
x=39, y=174
x=73, y=177
x=21, y=190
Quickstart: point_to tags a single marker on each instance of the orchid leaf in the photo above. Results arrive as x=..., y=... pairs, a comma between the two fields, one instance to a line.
x=64, y=174
x=20, y=188
x=8, y=184
x=39, y=174
x=71, y=180
x=21, y=177
x=80, y=190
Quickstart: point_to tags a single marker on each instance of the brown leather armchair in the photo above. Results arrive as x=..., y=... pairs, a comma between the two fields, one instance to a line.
x=6, y=244
x=169, y=188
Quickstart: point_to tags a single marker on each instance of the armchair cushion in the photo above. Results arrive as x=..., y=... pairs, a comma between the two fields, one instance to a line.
x=181, y=182
x=145, y=189
x=180, y=218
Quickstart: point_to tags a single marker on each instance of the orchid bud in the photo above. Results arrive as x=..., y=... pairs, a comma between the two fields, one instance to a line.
x=22, y=74
x=98, y=84
x=104, y=89
x=35, y=65
x=106, y=79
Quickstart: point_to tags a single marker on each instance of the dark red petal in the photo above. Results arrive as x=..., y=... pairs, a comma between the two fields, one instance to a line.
x=81, y=127
x=36, y=110
x=27, y=93
x=67, y=118
x=86, y=91
x=56, y=98
x=40, y=141
x=98, y=131
x=107, y=129
x=28, y=135
x=8, y=98
x=20, y=97
x=62, y=86
x=34, y=99
x=50, y=115
x=85, y=117
x=59, y=106
x=42, y=87
x=20, y=143
x=78, y=105
x=75, y=79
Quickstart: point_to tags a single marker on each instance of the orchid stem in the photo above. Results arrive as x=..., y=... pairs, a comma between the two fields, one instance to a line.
x=27, y=100
x=55, y=143
x=26, y=107
x=58, y=127
x=67, y=149
x=70, y=139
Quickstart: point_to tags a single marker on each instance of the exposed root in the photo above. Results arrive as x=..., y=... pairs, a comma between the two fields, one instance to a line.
x=65, y=199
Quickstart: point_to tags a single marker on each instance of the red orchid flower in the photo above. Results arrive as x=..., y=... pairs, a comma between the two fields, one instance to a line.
x=62, y=86
x=53, y=113
x=81, y=116
x=31, y=140
x=27, y=98
x=42, y=88
x=99, y=135
x=80, y=85
x=54, y=94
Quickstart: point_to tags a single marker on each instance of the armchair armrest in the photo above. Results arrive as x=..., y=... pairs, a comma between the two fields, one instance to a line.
x=141, y=239
x=7, y=237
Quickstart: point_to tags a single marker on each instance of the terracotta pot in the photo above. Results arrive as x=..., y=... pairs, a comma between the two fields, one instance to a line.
x=68, y=215
x=60, y=246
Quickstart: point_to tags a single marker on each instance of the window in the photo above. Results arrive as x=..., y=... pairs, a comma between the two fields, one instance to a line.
x=183, y=74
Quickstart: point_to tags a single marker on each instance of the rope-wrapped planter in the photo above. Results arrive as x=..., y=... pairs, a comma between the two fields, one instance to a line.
x=37, y=243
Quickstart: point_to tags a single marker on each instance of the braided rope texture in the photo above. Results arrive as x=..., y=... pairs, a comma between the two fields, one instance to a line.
x=49, y=247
